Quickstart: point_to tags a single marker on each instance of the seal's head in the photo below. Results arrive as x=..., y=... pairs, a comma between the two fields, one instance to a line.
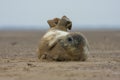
x=75, y=45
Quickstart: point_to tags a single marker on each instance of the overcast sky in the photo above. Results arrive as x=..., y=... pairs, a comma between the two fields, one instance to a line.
x=37, y=12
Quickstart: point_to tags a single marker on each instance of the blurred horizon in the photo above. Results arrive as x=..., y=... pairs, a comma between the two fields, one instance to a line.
x=84, y=14
x=80, y=27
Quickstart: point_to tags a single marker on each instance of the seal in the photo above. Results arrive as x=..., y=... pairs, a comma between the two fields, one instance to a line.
x=58, y=44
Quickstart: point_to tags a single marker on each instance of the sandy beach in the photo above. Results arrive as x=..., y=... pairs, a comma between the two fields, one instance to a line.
x=18, y=58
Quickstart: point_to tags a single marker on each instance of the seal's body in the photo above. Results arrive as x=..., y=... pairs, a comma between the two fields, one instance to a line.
x=48, y=41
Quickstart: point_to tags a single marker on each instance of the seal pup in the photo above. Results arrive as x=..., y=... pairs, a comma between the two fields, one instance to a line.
x=60, y=45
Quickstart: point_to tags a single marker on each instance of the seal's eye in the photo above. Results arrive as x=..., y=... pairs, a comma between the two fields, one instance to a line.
x=69, y=39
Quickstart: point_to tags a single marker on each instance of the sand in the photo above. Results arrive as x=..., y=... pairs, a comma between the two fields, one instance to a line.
x=18, y=60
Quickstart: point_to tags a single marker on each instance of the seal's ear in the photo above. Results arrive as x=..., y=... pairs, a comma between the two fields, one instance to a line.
x=53, y=22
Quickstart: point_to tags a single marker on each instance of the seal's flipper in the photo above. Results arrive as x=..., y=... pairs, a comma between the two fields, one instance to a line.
x=53, y=22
